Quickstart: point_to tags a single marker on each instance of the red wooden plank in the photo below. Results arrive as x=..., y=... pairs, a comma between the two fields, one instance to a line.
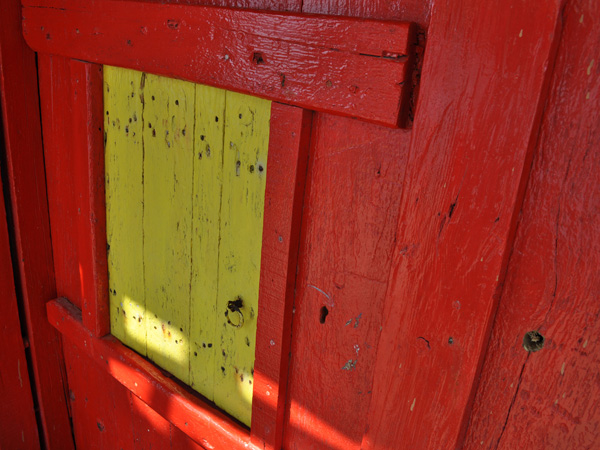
x=284, y=192
x=72, y=108
x=25, y=167
x=416, y=11
x=549, y=399
x=347, y=66
x=350, y=215
x=474, y=131
x=201, y=422
x=102, y=412
x=18, y=427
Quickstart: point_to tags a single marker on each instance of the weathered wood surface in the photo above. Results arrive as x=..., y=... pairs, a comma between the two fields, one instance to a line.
x=18, y=427
x=79, y=249
x=30, y=223
x=467, y=170
x=358, y=68
x=113, y=417
x=549, y=399
x=284, y=194
x=185, y=206
x=203, y=423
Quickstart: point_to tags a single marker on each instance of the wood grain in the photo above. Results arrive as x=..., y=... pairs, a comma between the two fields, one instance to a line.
x=30, y=223
x=350, y=214
x=352, y=67
x=124, y=157
x=185, y=217
x=169, y=108
x=246, y=144
x=205, y=317
x=203, y=423
x=467, y=170
x=18, y=427
x=549, y=399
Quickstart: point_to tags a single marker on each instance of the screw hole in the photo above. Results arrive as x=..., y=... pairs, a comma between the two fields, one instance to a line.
x=533, y=341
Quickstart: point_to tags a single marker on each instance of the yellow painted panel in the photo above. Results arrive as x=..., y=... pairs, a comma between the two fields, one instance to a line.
x=185, y=182
x=242, y=210
x=124, y=199
x=168, y=163
x=208, y=168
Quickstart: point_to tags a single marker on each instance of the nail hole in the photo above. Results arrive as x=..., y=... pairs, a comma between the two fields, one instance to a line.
x=177, y=102
x=216, y=118
x=153, y=97
x=257, y=57
x=201, y=137
x=323, y=314
x=533, y=341
x=261, y=168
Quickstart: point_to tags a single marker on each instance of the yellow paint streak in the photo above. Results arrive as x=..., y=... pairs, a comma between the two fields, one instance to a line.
x=208, y=168
x=168, y=163
x=124, y=204
x=242, y=210
x=185, y=185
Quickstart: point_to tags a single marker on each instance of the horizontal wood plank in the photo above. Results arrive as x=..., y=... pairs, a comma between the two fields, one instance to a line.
x=352, y=67
x=201, y=422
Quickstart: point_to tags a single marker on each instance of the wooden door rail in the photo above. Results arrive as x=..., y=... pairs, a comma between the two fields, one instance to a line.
x=203, y=423
x=347, y=66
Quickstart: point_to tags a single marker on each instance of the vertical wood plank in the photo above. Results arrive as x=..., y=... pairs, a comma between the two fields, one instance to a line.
x=549, y=399
x=242, y=209
x=468, y=165
x=168, y=166
x=102, y=414
x=352, y=205
x=18, y=426
x=124, y=157
x=289, y=139
x=208, y=172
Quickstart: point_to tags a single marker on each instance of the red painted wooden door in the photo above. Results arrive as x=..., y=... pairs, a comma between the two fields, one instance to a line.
x=421, y=255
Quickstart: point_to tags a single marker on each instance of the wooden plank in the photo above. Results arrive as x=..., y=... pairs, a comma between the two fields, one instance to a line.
x=203, y=423
x=549, y=399
x=102, y=416
x=351, y=67
x=246, y=141
x=208, y=173
x=57, y=93
x=350, y=214
x=169, y=107
x=27, y=188
x=18, y=426
x=284, y=195
x=467, y=170
x=76, y=208
x=124, y=157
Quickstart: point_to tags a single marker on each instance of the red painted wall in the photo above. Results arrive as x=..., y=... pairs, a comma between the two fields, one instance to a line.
x=435, y=249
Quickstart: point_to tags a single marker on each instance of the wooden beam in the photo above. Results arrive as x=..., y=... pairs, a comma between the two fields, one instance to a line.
x=30, y=223
x=352, y=67
x=475, y=129
x=201, y=422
